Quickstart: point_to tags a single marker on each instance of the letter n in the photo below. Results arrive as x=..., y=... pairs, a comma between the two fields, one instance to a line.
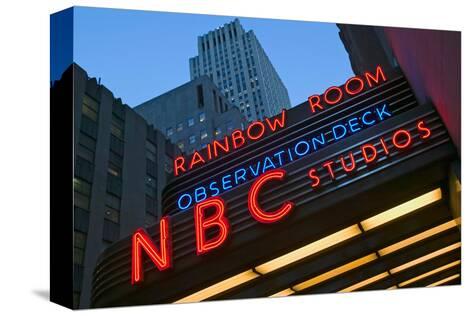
x=142, y=241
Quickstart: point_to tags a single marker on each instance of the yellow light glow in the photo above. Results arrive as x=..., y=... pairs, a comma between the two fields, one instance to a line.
x=392, y=287
x=425, y=258
x=443, y=281
x=220, y=287
x=309, y=249
x=282, y=293
x=429, y=273
x=411, y=240
x=402, y=209
x=363, y=283
x=335, y=272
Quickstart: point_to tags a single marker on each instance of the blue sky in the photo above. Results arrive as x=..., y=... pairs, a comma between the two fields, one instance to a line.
x=141, y=54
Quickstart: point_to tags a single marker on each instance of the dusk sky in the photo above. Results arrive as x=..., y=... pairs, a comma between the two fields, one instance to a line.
x=141, y=54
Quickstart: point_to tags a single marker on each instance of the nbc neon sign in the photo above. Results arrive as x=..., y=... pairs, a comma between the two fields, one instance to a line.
x=204, y=220
x=210, y=210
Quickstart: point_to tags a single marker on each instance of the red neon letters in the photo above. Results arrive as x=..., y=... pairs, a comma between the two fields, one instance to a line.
x=203, y=223
x=401, y=139
x=352, y=87
x=142, y=241
x=253, y=205
x=237, y=139
x=212, y=226
x=215, y=224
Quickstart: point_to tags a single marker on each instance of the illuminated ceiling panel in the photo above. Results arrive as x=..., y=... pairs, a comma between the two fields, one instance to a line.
x=220, y=287
x=402, y=209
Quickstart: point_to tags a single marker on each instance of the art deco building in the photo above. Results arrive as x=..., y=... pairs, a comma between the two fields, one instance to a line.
x=237, y=63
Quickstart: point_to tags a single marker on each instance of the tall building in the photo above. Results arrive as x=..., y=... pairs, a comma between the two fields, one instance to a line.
x=237, y=63
x=118, y=177
x=367, y=47
x=192, y=115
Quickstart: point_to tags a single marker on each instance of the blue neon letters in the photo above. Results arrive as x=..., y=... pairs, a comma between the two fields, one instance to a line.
x=283, y=156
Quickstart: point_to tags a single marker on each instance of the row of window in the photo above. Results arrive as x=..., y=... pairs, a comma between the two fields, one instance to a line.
x=83, y=176
x=82, y=185
x=226, y=73
x=192, y=139
x=180, y=126
x=219, y=37
x=151, y=198
x=111, y=224
x=234, y=48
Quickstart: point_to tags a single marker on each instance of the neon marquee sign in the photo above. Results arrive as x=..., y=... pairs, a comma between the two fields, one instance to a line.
x=210, y=209
x=161, y=254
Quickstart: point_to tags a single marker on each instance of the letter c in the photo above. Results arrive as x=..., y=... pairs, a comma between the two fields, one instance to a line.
x=255, y=209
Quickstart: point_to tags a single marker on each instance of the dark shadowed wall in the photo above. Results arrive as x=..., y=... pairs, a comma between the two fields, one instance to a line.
x=431, y=61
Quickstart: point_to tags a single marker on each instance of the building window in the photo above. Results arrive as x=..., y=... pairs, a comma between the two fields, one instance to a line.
x=151, y=205
x=112, y=201
x=201, y=117
x=203, y=134
x=150, y=151
x=79, y=256
x=79, y=240
x=169, y=131
x=215, y=101
x=180, y=145
x=117, y=126
x=112, y=215
x=150, y=186
x=111, y=231
x=218, y=131
x=190, y=122
x=200, y=96
x=81, y=200
x=114, y=170
x=86, y=147
x=150, y=181
x=81, y=194
x=81, y=219
x=88, y=126
x=180, y=127
x=89, y=112
x=90, y=108
x=116, y=131
x=81, y=186
x=79, y=247
x=76, y=299
x=116, y=145
x=114, y=185
x=151, y=168
x=192, y=139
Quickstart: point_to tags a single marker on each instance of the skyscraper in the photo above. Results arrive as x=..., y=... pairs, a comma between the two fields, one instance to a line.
x=237, y=63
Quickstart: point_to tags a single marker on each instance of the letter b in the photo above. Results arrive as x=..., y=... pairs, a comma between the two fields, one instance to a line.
x=203, y=223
